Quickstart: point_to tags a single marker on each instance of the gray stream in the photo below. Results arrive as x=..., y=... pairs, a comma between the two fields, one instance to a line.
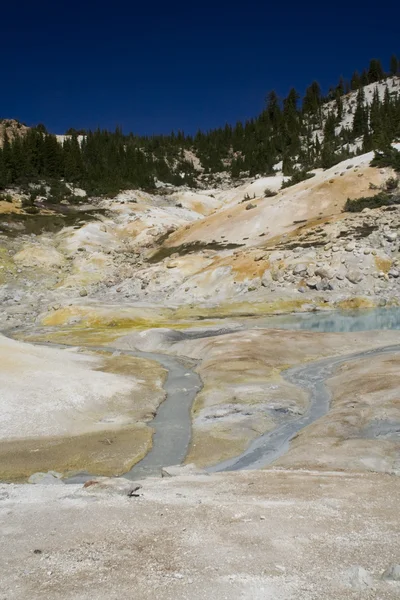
x=270, y=446
x=172, y=422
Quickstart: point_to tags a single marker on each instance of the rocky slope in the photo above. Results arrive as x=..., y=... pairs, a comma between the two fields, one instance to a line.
x=205, y=249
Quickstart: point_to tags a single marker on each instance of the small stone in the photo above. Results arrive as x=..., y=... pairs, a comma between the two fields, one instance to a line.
x=83, y=292
x=350, y=247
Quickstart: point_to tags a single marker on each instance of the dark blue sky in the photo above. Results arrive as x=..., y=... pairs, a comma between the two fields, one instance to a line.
x=155, y=66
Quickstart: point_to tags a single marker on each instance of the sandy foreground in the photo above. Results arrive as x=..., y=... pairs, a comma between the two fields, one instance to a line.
x=259, y=535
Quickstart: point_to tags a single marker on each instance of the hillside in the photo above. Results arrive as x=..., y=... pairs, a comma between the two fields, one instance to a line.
x=11, y=129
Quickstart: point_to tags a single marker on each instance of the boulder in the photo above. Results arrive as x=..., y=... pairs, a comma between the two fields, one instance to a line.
x=325, y=272
x=350, y=246
x=354, y=276
x=394, y=273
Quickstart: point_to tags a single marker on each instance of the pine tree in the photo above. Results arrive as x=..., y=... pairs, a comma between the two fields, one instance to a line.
x=360, y=115
x=375, y=71
x=394, y=65
x=355, y=81
x=313, y=99
x=364, y=78
x=340, y=87
x=339, y=108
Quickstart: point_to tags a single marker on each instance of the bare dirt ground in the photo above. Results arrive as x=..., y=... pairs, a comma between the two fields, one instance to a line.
x=274, y=535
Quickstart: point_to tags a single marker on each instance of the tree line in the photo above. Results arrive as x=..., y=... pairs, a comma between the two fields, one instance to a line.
x=302, y=134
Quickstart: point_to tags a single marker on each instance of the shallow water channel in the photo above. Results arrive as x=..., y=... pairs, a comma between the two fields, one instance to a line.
x=172, y=423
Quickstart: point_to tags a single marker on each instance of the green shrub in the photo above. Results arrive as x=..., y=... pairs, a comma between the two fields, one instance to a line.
x=381, y=199
x=389, y=157
x=6, y=197
x=392, y=184
x=296, y=178
x=269, y=193
x=31, y=210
